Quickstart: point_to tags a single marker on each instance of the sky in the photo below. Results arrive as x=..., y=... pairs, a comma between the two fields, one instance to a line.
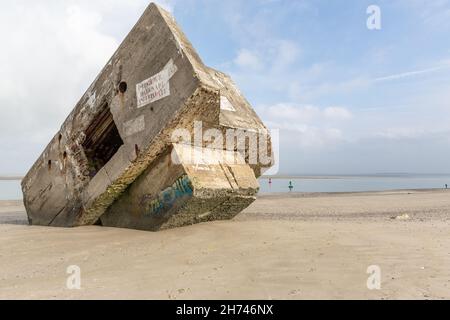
x=347, y=99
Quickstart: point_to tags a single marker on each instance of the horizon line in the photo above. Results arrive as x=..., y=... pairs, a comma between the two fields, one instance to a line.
x=303, y=175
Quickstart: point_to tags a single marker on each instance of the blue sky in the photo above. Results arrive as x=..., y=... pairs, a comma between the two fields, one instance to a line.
x=346, y=99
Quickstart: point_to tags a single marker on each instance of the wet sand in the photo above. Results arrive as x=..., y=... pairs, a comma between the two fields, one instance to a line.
x=290, y=246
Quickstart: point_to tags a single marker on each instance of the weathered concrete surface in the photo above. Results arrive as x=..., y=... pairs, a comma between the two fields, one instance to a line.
x=110, y=161
x=170, y=195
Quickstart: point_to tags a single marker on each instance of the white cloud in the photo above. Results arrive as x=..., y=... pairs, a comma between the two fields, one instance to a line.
x=314, y=137
x=48, y=58
x=337, y=113
x=46, y=65
x=402, y=133
x=248, y=59
x=51, y=53
x=409, y=74
x=435, y=13
x=307, y=113
x=167, y=4
x=287, y=54
x=307, y=126
x=268, y=57
x=302, y=90
x=293, y=113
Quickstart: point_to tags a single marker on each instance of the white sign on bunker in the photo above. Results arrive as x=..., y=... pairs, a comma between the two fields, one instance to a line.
x=156, y=87
x=153, y=89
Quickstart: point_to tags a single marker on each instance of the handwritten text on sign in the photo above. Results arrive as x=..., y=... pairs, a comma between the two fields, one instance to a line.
x=156, y=87
x=153, y=89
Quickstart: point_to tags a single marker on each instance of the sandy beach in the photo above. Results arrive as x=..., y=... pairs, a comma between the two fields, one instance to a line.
x=285, y=246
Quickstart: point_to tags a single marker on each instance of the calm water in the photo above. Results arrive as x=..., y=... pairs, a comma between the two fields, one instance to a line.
x=11, y=190
x=355, y=184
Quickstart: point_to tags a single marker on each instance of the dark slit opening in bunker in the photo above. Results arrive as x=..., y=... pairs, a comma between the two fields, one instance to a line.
x=102, y=141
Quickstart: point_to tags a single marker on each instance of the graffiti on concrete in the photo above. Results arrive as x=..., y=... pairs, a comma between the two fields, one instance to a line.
x=166, y=199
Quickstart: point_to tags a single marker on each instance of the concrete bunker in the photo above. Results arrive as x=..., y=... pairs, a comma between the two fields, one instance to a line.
x=116, y=146
x=102, y=140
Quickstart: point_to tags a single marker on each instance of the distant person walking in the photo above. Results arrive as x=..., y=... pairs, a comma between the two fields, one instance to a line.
x=291, y=186
x=270, y=182
x=446, y=186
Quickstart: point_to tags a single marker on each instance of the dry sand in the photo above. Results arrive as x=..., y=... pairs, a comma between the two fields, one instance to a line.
x=294, y=246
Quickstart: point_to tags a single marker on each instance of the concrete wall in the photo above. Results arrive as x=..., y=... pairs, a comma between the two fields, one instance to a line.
x=153, y=84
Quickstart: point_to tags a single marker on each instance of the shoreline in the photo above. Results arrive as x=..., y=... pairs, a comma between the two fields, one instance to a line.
x=312, y=177
x=294, y=194
x=355, y=176
x=349, y=193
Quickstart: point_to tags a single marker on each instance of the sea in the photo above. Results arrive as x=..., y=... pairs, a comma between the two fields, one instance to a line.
x=11, y=190
x=353, y=183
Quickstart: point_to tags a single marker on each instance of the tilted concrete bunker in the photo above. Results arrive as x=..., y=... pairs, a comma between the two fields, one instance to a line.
x=115, y=160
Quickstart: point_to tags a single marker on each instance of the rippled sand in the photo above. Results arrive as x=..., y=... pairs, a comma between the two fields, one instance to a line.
x=283, y=247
